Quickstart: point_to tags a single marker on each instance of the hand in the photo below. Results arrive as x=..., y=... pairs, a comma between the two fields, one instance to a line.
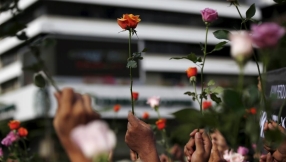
x=219, y=141
x=140, y=138
x=164, y=158
x=278, y=154
x=73, y=110
x=198, y=148
x=266, y=158
x=216, y=156
x=177, y=152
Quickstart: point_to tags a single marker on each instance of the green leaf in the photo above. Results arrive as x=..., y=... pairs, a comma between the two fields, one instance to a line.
x=221, y=34
x=131, y=64
x=211, y=83
x=232, y=100
x=189, y=115
x=144, y=50
x=215, y=98
x=251, y=11
x=202, y=46
x=190, y=93
x=39, y=80
x=217, y=90
x=219, y=46
x=192, y=57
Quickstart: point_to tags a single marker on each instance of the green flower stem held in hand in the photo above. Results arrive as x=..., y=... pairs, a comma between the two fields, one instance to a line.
x=130, y=71
x=202, y=69
x=258, y=68
x=164, y=134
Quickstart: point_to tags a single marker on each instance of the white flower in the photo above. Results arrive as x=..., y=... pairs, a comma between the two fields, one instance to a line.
x=231, y=156
x=94, y=139
x=154, y=101
x=241, y=45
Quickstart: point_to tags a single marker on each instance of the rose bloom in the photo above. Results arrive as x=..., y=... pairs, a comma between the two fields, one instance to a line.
x=209, y=15
x=10, y=138
x=161, y=124
x=192, y=71
x=206, y=104
x=242, y=150
x=145, y=115
x=94, y=139
x=14, y=124
x=135, y=96
x=233, y=156
x=128, y=21
x=252, y=111
x=22, y=132
x=266, y=35
x=241, y=46
x=154, y=102
x=116, y=108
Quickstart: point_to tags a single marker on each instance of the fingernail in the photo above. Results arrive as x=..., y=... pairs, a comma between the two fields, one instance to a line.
x=188, y=158
x=198, y=135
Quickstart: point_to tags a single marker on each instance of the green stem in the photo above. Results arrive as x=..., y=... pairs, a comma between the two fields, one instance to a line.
x=202, y=69
x=258, y=68
x=240, y=17
x=240, y=83
x=195, y=87
x=130, y=72
x=280, y=111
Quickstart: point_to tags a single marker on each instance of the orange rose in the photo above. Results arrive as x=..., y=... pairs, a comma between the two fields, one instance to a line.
x=161, y=124
x=252, y=111
x=14, y=124
x=128, y=21
x=135, y=96
x=192, y=71
x=207, y=104
x=23, y=132
x=116, y=107
x=145, y=115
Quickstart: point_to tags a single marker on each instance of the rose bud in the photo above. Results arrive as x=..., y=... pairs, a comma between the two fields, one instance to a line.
x=23, y=132
x=145, y=115
x=206, y=104
x=135, y=96
x=209, y=15
x=14, y=124
x=241, y=46
x=116, y=108
x=161, y=124
x=128, y=21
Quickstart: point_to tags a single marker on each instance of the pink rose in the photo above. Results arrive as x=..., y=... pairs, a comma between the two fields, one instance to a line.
x=266, y=35
x=10, y=138
x=235, y=157
x=241, y=45
x=209, y=15
x=242, y=150
x=94, y=139
x=154, y=101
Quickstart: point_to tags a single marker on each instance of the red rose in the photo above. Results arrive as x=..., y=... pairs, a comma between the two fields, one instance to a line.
x=128, y=21
x=135, y=96
x=14, y=124
x=116, y=108
x=207, y=104
x=161, y=124
x=252, y=111
x=145, y=115
x=192, y=71
x=23, y=132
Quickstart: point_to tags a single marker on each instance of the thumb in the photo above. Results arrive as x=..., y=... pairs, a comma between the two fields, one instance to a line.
x=199, y=143
x=133, y=120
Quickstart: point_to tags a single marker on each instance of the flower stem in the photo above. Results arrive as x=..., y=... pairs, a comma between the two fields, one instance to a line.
x=240, y=83
x=258, y=68
x=202, y=69
x=130, y=71
x=195, y=87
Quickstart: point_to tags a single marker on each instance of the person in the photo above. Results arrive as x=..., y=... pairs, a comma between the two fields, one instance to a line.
x=176, y=152
x=73, y=109
x=140, y=139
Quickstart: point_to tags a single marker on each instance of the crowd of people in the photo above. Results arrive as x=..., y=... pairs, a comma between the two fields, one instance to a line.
x=75, y=109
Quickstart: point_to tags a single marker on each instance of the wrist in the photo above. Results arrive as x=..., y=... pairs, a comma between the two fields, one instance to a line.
x=149, y=154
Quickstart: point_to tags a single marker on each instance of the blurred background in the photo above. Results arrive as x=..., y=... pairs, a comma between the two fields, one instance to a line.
x=89, y=54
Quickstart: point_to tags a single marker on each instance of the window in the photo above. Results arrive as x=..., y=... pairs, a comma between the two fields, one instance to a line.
x=10, y=85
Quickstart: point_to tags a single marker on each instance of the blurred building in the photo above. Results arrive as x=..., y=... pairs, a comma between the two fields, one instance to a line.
x=90, y=54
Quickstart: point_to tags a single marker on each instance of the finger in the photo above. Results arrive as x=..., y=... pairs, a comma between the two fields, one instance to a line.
x=265, y=127
x=134, y=121
x=196, y=130
x=67, y=99
x=58, y=99
x=87, y=103
x=269, y=157
x=199, y=143
x=79, y=110
x=207, y=143
x=190, y=146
